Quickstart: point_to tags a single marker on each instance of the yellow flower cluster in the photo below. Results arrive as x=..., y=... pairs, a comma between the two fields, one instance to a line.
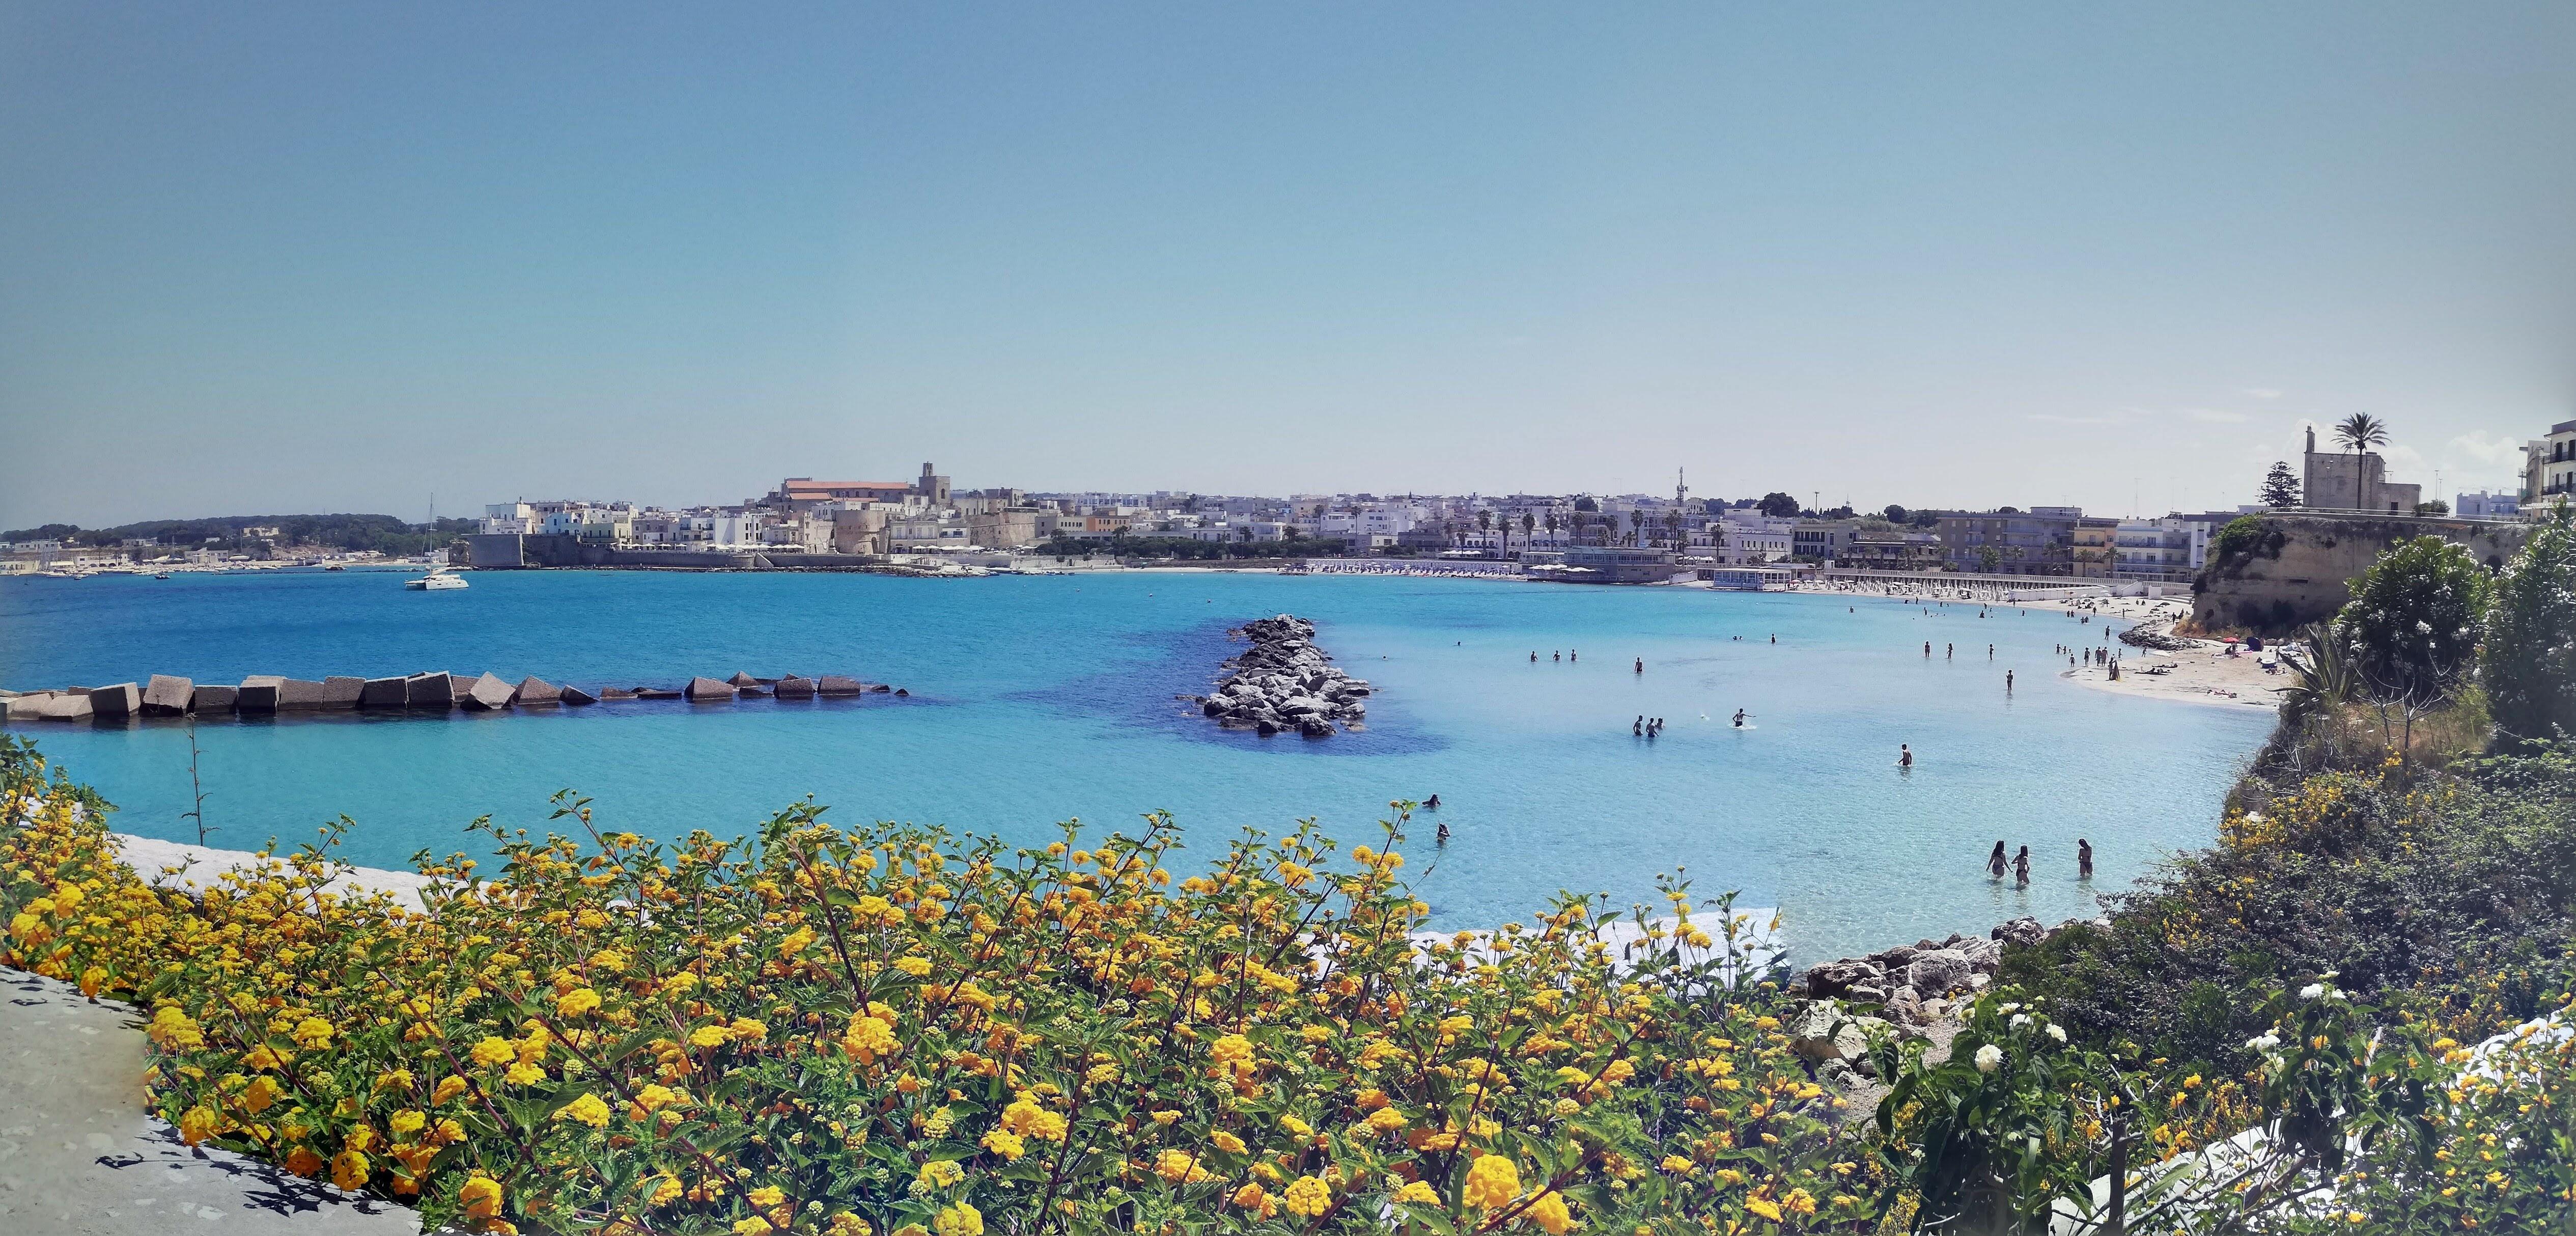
x=883, y=1030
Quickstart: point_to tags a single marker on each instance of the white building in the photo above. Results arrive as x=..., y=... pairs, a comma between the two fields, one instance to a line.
x=2487, y=506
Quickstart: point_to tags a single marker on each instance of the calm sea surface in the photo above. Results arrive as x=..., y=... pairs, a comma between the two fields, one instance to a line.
x=1036, y=700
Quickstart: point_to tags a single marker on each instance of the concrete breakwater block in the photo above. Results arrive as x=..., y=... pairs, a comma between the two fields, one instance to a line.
x=834, y=684
x=655, y=693
x=535, y=690
x=702, y=689
x=342, y=690
x=166, y=696
x=211, y=699
x=258, y=693
x=488, y=693
x=575, y=697
x=28, y=707
x=65, y=708
x=383, y=693
x=121, y=700
x=429, y=691
x=794, y=688
x=616, y=693
x=741, y=679
x=299, y=695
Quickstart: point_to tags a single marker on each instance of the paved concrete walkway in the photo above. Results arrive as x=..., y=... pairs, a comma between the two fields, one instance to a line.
x=80, y=1157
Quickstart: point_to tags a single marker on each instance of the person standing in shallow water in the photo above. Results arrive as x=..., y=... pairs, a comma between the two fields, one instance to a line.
x=2021, y=868
x=1904, y=756
x=1995, y=862
x=2083, y=859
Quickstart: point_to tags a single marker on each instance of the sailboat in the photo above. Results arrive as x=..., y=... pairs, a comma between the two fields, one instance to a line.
x=439, y=579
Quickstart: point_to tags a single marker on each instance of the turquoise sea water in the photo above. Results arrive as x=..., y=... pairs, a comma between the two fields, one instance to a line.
x=1041, y=699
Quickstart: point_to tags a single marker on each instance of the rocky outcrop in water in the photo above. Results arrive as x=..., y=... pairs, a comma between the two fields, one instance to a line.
x=1284, y=682
x=2159, y=639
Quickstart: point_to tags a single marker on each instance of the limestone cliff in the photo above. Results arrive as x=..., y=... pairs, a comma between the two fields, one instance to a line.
x=2295, y=567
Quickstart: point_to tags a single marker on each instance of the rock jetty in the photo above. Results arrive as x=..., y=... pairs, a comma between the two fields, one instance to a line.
x=1284, y=682
x=166, y=695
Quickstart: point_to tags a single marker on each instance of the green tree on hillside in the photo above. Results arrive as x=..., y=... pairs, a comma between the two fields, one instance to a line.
x=1778, y=505
x=2529, y=660
x=2280, y=487
x=2413, y=624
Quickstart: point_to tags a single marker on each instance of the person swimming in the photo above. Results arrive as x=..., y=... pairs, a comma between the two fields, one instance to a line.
x=1995, y=862
x=1639, y=728
x=1442, y=836
x=1739, y=718
x=1533, y=656
x=1432, y=803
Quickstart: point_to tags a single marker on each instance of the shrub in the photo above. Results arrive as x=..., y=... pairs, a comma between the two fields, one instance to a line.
x=889, y=1029
x=2413, y=624
x=2529, y=661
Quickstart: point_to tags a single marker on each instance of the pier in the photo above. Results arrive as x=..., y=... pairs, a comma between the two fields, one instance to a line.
x=430, y=693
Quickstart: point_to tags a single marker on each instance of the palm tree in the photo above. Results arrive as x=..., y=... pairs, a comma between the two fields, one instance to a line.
x=2359, y=432
x=1529, y=526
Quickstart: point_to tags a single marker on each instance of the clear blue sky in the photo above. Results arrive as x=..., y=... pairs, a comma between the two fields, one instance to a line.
x=279, y=257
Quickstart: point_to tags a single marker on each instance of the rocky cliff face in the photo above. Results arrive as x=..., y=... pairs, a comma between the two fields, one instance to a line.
x=1284, y=682
x=2297, y=567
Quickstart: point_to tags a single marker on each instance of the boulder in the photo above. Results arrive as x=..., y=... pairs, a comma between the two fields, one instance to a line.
x=903, y=691
x=576, y=697
x=122, y=700
x=1936, y=972
x=258, y=693
x=166, y=696
x=704, y=689
x=1823, y=1031
x=1833, y=978
x=794, y=688
x=834, y=684
x=2024, y=931
x=881, y=689
x=342, y=690
x=383, y=693
x=429, y=691
x=1906, y=1006
x=210, y=699
x=535, y=690
x=1315, y=727
x=489, y=693
x=741, y=679
x=299, y=695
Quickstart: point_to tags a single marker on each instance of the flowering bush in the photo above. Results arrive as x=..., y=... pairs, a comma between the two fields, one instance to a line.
x=887, y=1029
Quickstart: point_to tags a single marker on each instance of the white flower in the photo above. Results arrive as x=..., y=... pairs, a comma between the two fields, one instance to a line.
x=2312, y=991
x=2019, y=1020
x=2263, y=1042
x=2329, y=975
x=1989, y=1058
x=2057, y=1032
x=2013, y=1007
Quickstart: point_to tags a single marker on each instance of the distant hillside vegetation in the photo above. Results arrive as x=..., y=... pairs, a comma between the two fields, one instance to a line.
x=382, y=533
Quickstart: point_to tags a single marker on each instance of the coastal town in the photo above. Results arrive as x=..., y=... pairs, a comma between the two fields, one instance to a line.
x=925, y=525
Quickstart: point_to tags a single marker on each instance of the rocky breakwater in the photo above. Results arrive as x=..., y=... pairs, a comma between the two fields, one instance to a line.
x=1284, y=682
x=1910, y=991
